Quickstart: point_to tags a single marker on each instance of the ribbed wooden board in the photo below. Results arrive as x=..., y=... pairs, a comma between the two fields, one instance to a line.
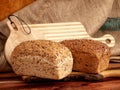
x=52, y=31
x=63, y=31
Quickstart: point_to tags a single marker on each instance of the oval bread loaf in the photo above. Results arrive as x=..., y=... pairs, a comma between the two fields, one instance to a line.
x=88, y=55
x=42, y=58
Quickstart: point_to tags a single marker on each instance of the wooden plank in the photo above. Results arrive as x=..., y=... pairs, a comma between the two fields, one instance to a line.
x=8, y=7
x=9, y=81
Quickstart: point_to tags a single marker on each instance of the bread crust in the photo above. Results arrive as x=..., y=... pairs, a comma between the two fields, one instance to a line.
x=42, y=58
x=89, y=56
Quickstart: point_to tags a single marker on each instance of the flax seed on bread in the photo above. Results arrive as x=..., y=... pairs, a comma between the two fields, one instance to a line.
x=88, y=55
x=42, y=58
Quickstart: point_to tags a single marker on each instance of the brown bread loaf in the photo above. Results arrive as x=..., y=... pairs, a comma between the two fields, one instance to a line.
x=88, y=55
x=42, y=58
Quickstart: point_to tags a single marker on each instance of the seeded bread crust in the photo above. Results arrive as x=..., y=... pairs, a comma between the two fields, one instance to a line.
x=42, y=58
x=88, y=55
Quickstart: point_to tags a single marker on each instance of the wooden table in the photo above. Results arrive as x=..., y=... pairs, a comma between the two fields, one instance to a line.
x=9, y=81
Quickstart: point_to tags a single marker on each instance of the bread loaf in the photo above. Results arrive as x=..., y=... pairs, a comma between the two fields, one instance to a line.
x=88, y=55
x=42, y=58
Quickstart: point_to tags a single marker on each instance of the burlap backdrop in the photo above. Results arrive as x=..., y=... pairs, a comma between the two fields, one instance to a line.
x=92, y=13
x=115, y=13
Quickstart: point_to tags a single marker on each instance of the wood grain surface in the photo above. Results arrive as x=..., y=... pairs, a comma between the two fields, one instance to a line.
x=9, y=6
x=9, y=81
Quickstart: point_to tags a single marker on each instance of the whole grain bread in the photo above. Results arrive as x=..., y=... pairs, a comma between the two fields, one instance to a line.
x=42, y=58
x=88, y=55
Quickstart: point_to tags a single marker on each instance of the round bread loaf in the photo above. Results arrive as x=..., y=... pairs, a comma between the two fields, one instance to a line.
x=88, y=55
x=42, y=58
